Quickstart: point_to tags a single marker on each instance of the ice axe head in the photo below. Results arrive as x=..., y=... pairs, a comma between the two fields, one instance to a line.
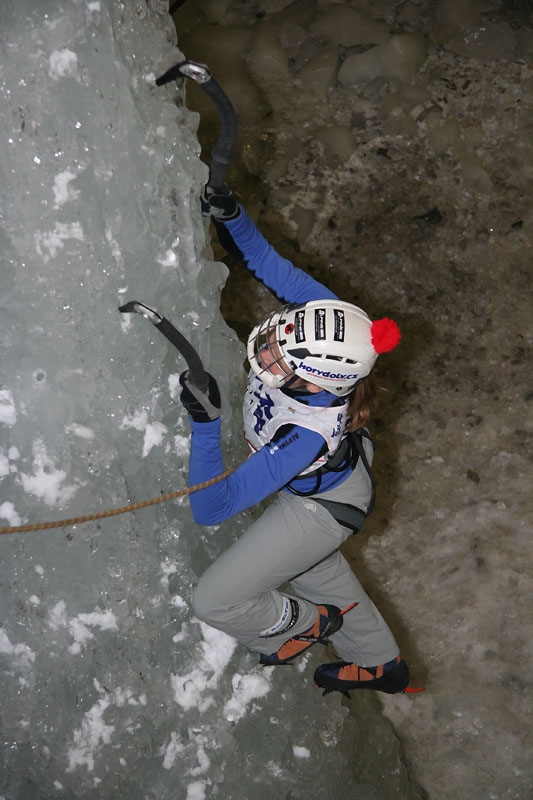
x=197, y=373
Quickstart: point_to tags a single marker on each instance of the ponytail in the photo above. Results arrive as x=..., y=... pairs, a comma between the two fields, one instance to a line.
x=359, y=402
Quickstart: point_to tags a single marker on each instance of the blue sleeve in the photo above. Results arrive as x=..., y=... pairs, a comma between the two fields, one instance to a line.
x=289, y=284
x=263, y=473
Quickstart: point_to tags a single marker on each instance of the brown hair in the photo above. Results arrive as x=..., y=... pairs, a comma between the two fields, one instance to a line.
x=359, y=402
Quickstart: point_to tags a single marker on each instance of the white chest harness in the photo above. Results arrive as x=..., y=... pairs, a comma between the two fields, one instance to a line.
x=266, y=410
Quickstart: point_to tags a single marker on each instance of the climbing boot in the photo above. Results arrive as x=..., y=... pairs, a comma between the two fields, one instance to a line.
x=341, y=676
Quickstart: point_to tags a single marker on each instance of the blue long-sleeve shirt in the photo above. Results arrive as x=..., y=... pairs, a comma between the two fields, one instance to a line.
x=270, y=468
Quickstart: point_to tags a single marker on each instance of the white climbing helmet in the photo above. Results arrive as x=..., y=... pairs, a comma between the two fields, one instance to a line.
x=329, y=343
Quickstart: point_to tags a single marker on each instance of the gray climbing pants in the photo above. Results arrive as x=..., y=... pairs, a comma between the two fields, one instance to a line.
x=295, y=541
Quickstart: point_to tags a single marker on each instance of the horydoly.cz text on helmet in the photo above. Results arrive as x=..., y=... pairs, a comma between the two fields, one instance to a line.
x=327, y=374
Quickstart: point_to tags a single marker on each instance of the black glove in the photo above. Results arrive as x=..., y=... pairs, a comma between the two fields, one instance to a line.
x=202, y=406
x=219, y=203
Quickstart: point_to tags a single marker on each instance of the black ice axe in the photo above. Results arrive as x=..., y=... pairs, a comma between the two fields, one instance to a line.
x=197, y=374
x=221, y=158
x=222, y=153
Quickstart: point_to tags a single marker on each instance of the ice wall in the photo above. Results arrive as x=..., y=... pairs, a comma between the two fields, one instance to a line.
x=109, y=686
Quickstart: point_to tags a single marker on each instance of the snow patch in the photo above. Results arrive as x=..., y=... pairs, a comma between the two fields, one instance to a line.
x=172, y=750
x=81, y=431
x=167, y=568
x=8, y=512
x=46, y=481
x=8, y=414
x=22, y=655
x=168, y=259
x=57, y=616
x=153, y=436
x=246, y=688
x=138, y=421
x=196, y=791
x=174, y=385
x=204, y=763
x=178, y=602
x=63, y=63
x=48, y=244
x=197, y=687
x=93, y=733
x=79, y=627
x=4, y=465
x=182, y=446
x=62, y=192
x=154, y=432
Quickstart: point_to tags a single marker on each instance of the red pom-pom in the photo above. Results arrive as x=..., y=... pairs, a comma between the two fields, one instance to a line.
x=384, y=334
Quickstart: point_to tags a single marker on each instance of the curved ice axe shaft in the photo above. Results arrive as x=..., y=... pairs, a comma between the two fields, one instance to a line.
x=197, y=374
x=222, y=153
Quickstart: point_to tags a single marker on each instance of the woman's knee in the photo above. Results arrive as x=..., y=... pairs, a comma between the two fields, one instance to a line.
x=202, y=602
x=209, y=601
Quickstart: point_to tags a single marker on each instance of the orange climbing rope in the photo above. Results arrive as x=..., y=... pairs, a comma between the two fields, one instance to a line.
x=112, y=512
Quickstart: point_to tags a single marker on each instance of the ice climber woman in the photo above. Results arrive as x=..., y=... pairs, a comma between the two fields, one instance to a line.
x=305, y=408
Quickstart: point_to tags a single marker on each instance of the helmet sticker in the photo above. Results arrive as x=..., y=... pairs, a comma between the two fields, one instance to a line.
x=320, y=323
x=289, y=328
x=299, y=319
x=327, y=375
x=338, y=325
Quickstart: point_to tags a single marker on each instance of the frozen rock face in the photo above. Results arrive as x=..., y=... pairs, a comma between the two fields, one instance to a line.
x=400, y=57
x=428, y=219
x=109, y=686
